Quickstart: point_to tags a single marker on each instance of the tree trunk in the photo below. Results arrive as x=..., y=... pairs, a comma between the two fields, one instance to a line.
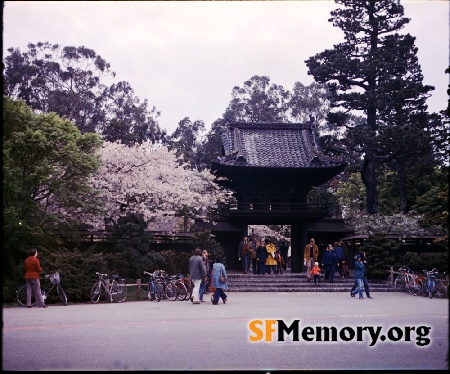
x=369, y=177
x=402, y=188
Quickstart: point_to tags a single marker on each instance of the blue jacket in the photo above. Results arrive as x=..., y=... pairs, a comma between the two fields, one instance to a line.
x=340, y=253
x=330, y=258
x=218, y=269
x=359, y=270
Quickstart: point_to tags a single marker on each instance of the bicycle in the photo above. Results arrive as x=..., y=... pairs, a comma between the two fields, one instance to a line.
x=433, y=284
x=152, y=289
x=115, y=289
x=165, y=287
x=54, y=282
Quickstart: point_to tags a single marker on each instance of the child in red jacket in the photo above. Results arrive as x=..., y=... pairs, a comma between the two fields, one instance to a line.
x=316, y=272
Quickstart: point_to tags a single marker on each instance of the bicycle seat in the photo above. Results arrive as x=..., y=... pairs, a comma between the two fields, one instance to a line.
x=115, y=276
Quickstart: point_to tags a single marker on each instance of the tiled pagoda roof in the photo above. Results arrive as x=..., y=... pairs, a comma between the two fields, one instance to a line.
x=273, y=145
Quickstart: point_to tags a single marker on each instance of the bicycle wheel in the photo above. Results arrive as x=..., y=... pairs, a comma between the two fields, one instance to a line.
x=118, y=292
x=158, y=291
x=171, y=291
x=62, y=294
x=440, y=290
x=416, y=288
x=96, y=292
x=400, y=281
x=181, y=290
x=21, y=295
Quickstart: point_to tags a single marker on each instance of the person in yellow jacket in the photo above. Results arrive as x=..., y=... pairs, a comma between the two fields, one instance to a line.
x=271, y=262
x=311, y=255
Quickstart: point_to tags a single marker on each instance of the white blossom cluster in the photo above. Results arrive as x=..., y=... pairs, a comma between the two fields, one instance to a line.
x=149, y=180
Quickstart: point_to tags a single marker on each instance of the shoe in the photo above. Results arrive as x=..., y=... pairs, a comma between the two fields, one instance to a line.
x=192, y=299
x=361, y=298
x=28, y=306
x=224, y=301
x=202, y=301
x=369, y=297
x=352, y=294
x=42, y=306
x=196, y=302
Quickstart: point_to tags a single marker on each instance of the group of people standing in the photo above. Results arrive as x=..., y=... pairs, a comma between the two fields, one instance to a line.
x=204, y=276
x=333, y=259
x=263, y=256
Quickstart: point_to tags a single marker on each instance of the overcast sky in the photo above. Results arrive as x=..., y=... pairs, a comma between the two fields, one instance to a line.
x=185, y=57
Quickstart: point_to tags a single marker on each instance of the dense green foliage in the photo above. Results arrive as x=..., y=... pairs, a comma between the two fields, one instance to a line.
x=46, y=166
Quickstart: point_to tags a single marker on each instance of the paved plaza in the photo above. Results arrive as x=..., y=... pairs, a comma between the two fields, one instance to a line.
x=252, y=331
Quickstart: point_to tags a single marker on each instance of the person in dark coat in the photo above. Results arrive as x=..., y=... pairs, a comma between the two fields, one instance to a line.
x=261, y=256
x=340, y=255
x=362, y=254
x=359, y=277
x=326, y=261
x=333, y=261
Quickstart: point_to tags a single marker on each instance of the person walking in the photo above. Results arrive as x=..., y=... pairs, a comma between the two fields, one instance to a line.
x=32, y=267
x=315, y=271
x=261, y=256
x=197, y=272
x=359, y=276
x=362, y=255
x=271, y=262
x=284, y=249
x=219, y=271
x=332, y=263
x=341, y=259
x=243, y=254
x=204, y=285
x=311, y=255
x=326, y=261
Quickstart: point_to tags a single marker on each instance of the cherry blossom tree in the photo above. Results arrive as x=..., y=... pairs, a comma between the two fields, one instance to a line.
x=148, y=179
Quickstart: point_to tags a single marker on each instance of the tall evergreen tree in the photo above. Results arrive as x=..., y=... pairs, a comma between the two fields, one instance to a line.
x=374, y=71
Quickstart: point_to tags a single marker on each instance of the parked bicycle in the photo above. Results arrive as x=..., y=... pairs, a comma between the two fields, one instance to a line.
x=54, y=282
x=115, y=289
x=165, y=287
x=434, y=285
x=151, y=290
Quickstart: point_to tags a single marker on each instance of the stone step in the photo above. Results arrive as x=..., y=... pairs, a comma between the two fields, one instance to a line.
x=296, y=282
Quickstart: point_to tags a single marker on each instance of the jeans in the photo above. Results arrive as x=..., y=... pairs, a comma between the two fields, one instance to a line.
x=218, y=293
x=358, y=289
x=366, y=286
x=273, y=267
x=37, y=291
x=316, y=278
x=246, y=263
x=202, y=289
x=331, y=268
